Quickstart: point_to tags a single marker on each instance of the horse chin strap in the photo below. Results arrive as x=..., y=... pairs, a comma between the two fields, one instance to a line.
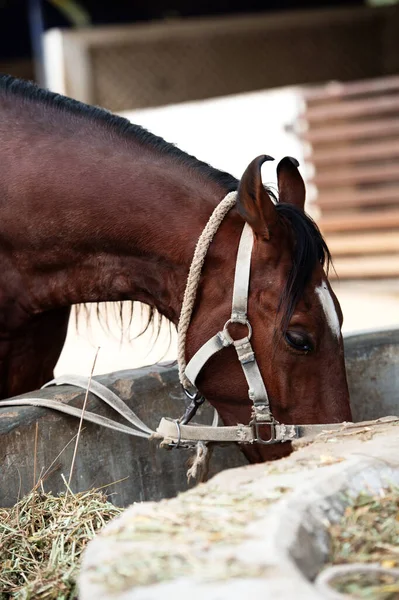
x=261, y=413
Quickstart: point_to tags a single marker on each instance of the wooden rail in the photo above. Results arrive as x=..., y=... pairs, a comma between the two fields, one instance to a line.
x=385, y=149
x=352, y=131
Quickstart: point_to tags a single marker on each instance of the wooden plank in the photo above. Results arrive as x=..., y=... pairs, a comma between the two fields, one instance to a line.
x=363, y=267
x=357, y=221
x=357, y=88
x=363, y=243
x=354, y=198
x=388, y=149
x=351, y=131
x=360, y=108
x=357, y=175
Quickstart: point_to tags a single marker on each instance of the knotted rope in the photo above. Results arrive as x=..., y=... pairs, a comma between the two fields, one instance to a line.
x=194, y=276
x=199, y=464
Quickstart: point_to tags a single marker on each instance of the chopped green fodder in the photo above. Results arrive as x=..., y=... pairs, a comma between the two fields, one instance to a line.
x=368, y=533
x=171, y=539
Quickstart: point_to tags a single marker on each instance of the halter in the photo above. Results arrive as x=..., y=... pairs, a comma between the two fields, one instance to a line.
x=177, y=433
x=261, y=412
x=257, y=393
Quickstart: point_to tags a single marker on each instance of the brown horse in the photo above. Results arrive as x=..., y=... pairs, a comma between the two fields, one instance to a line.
x=93, y=208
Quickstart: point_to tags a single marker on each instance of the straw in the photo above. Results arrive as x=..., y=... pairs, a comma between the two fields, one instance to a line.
x=42, y=538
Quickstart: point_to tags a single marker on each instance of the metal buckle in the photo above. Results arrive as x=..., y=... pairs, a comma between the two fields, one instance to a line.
x=258, y=439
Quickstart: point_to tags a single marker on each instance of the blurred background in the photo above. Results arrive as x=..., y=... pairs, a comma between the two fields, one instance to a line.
x=227, y=80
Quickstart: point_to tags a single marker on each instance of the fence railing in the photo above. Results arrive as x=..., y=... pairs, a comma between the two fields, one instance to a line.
x=352, y=134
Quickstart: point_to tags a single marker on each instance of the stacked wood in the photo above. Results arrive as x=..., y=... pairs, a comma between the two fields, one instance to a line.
x=351, y=131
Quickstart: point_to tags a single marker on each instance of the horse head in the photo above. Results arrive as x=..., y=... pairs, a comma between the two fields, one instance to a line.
x=293, y=313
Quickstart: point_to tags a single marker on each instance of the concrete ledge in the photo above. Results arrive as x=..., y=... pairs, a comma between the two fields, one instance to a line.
x=262, y=532
x=372, y=365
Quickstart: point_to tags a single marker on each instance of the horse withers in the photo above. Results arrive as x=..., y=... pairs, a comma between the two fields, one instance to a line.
x=94, y=209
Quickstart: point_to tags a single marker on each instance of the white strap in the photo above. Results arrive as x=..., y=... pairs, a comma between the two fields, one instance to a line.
x=105, y=394
x=76, y=412
x=242, y=275
x=257, y=390
x=172, y=432
x=203, y=355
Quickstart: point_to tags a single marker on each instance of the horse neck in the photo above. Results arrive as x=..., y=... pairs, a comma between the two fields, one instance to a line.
x=113, y=225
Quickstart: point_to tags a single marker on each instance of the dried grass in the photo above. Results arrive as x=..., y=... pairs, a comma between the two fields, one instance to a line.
x=369, y=533
x=42, y=538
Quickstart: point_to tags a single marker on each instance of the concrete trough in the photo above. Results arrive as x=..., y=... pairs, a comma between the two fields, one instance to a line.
x=259, y=531
x=148, y=472
x=372, y=363
x=143, y=470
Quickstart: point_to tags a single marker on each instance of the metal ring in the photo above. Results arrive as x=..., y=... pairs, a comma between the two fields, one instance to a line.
x=176, y=444
x=245, y=323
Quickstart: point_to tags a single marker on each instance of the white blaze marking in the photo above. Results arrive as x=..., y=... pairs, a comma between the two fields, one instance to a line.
x=329, y=308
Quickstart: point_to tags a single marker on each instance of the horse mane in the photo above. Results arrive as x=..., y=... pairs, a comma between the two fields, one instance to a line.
x=309, y=248
x=122, y=312
x=28, y=91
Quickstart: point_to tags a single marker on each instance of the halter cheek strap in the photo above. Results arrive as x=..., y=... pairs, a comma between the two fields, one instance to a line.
x=257, y=393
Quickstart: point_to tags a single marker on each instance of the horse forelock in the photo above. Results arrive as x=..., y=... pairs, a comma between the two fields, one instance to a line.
x=308, y=249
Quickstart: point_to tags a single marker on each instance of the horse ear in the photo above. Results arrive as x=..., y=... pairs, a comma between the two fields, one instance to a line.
x=291, y=187
x=254, y=203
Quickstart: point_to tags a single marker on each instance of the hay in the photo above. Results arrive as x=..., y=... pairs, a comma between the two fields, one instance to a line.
x=368, y=533
x=42, y=538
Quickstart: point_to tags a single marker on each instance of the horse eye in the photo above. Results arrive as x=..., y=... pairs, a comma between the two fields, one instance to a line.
x=299, y=341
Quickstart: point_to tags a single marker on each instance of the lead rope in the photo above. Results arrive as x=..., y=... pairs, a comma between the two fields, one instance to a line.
x=193, y=280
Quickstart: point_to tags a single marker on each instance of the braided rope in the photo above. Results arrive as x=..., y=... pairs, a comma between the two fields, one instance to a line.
x=193, y=279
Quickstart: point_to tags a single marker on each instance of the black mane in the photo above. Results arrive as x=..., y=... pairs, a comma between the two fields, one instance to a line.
x=30, y=92
x=309, y=248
